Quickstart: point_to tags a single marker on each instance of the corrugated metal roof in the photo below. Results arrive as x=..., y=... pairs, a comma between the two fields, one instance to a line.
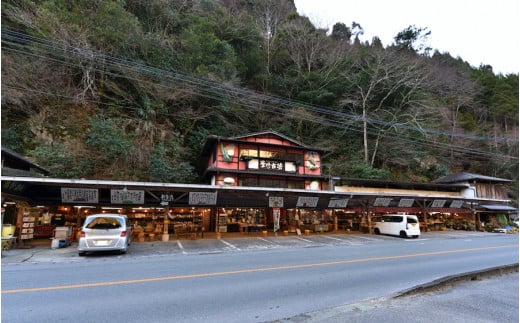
x=495, y=207
x=394, y=184
x=40, y=191
x=466, y=177
x=6, y=152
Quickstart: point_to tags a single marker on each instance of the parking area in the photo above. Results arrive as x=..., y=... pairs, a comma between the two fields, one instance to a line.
x=41, y=251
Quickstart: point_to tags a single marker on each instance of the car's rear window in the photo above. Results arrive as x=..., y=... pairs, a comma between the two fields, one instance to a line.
x=411, y=220
x=104, y=223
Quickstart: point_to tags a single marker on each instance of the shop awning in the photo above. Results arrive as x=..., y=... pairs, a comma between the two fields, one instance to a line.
x=55, y=191
x=499, y=208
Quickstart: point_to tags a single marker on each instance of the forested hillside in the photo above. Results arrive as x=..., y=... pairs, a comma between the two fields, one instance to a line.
x=129, y=90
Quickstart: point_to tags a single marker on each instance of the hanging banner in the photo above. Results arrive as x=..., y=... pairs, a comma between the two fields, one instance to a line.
x=307, y=201
x=276, y=219
x=382, y=201
x=167, y=197
x=203, y=198
x=126, y=197
x=77, y=195
x=275, y=201
x=456, y=204
x=406, y=202
x=338, y=203
x=438, y=203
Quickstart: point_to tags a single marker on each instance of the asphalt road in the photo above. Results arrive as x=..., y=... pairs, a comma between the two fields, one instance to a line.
x=252, y=280
x=486, y=296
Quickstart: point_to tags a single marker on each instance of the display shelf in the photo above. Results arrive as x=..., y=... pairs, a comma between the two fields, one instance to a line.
x=28, y=220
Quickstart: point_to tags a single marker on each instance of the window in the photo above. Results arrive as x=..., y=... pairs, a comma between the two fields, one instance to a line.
x=269, y=182
x=297, y=158
x=247, y=181
x=411, y=219
x=296, y=184
x=249, y=152
x=104, y=223
x=269, y=154
x=392, y=218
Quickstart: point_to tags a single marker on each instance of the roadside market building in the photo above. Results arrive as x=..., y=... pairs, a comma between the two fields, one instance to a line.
x=261, y=182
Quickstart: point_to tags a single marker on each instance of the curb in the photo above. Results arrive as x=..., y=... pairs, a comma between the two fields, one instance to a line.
x=459, y=278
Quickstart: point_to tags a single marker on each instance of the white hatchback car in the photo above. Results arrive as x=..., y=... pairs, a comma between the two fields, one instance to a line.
x=399, y=225
x=105, y=232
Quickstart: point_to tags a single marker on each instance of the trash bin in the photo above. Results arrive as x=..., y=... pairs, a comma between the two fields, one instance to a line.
x=8, y=230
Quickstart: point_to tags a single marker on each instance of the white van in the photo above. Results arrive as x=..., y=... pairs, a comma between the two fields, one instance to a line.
x=399, y=225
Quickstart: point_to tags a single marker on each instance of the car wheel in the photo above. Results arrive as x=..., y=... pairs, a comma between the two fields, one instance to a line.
x=403, y=234
x=376, y=231
x=416, y=236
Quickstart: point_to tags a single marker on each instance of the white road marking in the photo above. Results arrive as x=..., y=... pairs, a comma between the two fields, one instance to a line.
x=342, y=240
x=333, y=238
x=181, y=246
x=455, y=235
x=269, y=241
x=230, y=245
x=362, y=237
x=304, y=239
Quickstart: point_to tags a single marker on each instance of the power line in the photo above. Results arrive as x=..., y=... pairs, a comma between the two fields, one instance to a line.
x=106, y=59
x=63, y=53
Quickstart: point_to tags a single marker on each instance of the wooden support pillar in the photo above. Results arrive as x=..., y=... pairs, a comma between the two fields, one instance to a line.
x=476, y=217
x=166, y=224
x=366, y=214
x=424, y=210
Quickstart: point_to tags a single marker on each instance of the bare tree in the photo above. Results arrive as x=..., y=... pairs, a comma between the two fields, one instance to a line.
x=456, y=91
x=306, y=44
x=386, y=94
x=269, y=16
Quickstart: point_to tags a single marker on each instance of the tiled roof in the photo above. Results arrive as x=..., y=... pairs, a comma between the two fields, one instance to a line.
x=214, y=139
x=270, y=132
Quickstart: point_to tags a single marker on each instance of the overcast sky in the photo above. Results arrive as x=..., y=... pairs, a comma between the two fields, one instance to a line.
x=478, y=31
